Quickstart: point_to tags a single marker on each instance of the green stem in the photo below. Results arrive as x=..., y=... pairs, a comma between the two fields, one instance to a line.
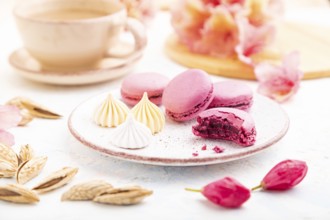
x=256, y=187
x=193, y=190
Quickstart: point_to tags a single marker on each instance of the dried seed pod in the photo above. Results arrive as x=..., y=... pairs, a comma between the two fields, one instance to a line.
x=7, y=169
x=18, y=194
x=30, y=169
x=26, y=117
x=7, y=154
x=34, y=109
x=26, y=153
x=123, y=196
x=56, y=180
x=86, y=191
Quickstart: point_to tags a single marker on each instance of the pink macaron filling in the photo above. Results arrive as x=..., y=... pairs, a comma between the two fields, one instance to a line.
x=243, y=105
x=226, y=124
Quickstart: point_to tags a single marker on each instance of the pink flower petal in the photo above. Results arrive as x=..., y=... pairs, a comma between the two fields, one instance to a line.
x=290, y=64
x=219, y=34
x=261, y=12
x=206, y=29
x=143, y=10
x=9, y=116
x=6, y=138
x=252, y=39
x=215, y=3
x=188, y=19
x=279, y=82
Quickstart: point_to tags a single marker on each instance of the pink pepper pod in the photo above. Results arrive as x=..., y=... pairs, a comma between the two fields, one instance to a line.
x=284, y=175
x=226, y=192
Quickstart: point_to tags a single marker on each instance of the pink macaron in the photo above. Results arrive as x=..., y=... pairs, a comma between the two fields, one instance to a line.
x=232, y=94
x=228, y=124
x=188, y=94
x=135, y=85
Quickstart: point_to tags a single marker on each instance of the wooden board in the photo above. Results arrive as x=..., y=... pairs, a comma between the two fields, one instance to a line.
x=313, y=43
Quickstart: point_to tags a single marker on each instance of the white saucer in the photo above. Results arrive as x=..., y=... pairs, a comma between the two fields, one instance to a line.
x=108, y=69
x=176, y=145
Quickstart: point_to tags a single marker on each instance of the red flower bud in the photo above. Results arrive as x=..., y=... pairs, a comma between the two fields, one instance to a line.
x=226, y=192
x=284, y=175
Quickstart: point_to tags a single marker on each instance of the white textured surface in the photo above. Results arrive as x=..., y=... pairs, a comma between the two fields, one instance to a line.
x=175, y=144
x=307, y=139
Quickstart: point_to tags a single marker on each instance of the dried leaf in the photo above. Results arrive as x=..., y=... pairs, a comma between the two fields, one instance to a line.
x=56, y=180
x=18, y=194
x=30, y=169
x=35, y=109
x=86, y=191
x=7, y=169
x=26, y=153
x=123, y=196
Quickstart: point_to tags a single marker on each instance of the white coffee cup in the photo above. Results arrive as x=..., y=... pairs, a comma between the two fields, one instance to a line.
x=71, y=34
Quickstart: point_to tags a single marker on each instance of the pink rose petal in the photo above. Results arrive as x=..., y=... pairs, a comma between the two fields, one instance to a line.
x=279, y=82
x=6, y=138
x=9, y=116
x=252, y=39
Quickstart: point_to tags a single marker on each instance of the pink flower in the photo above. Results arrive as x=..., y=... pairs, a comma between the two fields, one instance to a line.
x=284, y=175
x=224, y=28
x=252, y=39
x=9, y=117
x=143, y=10
x=260, y=12
x=279, y=82
x=224, y=2
x=206, y=28
x=188, y=19
x=219, y=34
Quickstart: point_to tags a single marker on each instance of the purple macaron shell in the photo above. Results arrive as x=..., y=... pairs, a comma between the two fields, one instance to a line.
x=232, y=94
x=228, y=124
x=188, y=94
x=135, y=85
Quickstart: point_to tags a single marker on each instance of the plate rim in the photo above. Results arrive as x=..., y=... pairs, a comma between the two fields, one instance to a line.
x=193, y=161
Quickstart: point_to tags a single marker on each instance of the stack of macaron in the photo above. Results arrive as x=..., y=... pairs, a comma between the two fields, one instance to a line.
x=221, y=108
x=191, y=93
x=132, y=128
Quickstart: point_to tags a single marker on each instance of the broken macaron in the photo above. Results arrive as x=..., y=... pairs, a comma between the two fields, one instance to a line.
x=227, y=124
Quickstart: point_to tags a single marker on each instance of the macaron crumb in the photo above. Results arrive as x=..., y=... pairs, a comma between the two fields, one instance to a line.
x=195, y=154
x=204, y=147
x=218, y=149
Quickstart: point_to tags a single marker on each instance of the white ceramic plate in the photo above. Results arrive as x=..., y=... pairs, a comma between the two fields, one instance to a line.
x=108, y=69
x=176, y=145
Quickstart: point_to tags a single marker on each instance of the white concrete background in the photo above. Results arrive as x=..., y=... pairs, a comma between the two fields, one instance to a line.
x=307, y=139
